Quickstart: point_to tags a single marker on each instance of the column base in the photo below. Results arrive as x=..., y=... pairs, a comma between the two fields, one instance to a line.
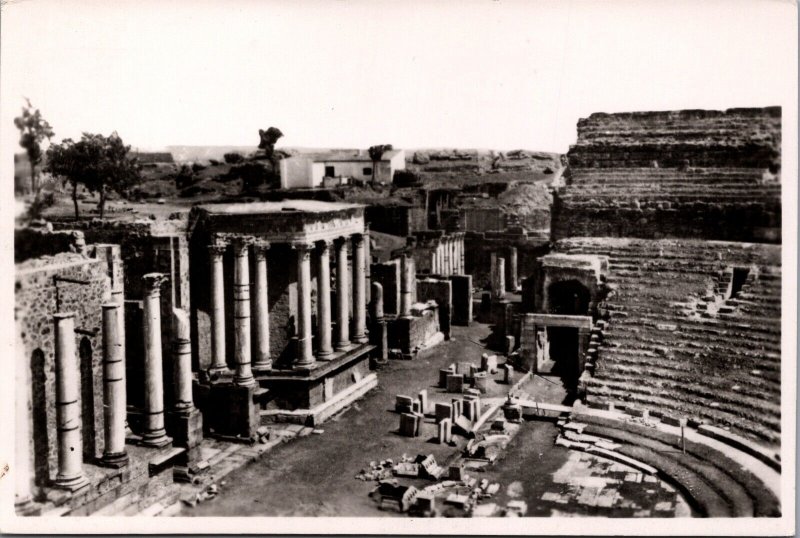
x=27, y=508
x=361, y=339
x=244, y=381
x=114, y=460
x=259, y=367
x=71, y=484
x=186, y=427
x=324, y=355
x=343, y=346
x=155, y=439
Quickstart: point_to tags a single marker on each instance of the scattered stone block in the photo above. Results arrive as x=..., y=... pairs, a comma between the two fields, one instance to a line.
x=479, y=381
x=457, y=404
x=485, y=510
x=416, y=407
x=464, y=368
x=517, y=508
x=489, y=363
x=512, y=412
x=406, y=468
x=409, y=424
x=455, y=472
x=430, y=468
x=463, y=424
x=443, y=411
x=423, y=401
x=403, y=403
x=443, y=373
x=508, y=374
x=425, y=505
x=470, y=410
x=499, y=426
x=455, y=383
x=445, y=431
x=510, y=342
x=459, y=501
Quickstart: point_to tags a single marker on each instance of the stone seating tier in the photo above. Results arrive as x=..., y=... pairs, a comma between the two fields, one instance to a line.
x=661, y=352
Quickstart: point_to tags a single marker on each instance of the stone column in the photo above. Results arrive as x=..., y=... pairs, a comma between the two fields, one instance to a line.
x=499, y=282
x=445, y=257
x=342, y=292
x=114, y=394
x=359, y=290
x=68, y=412
x=153, y=434
x=367, y=264
x=241, y=312
x=433, y=262
x=461, y=263
x=405, y=289
x=182, y=360
x=262, y=360
x=378, y=334
x=511, y=283
x=324, y=335
x=218, y=358
x=23, y=498
x=305, y=356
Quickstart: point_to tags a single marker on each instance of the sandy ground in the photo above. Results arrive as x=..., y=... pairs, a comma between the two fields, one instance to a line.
x=315, y=475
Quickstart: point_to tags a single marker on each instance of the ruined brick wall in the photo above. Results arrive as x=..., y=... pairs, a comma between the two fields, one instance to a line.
x=40, y=293
x=440, y=291
x=478, y=249
x=691, y=173
x=36, y=242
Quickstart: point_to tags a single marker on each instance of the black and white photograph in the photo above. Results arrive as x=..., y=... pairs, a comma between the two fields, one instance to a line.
x=290, y=267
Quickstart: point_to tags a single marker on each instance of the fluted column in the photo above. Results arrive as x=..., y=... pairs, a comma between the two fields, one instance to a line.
x=359, y=290
x=324, y=333
x=405, y=291
x=262, y=360
x=461, y=270
x=241, y=312
x=342, y=292
x=68, y=412
x=305, y=356
x=154, y=433
x=114, y=393
x=182, y=360
x=367, y=264
x=218, y=358
x=433, y=262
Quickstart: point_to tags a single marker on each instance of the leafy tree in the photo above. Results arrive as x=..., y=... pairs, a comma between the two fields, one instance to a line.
x=98, y=162
x=376, y=153
x=267, y=142
x=33, y=131
x=233, y=158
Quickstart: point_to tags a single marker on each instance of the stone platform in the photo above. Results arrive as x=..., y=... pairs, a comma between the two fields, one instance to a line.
x=310, y=395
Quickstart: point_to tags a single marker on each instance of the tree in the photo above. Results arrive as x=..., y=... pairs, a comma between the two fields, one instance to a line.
x=267, y=143
x=33, y=131
x=98, y=162
x=376, y=154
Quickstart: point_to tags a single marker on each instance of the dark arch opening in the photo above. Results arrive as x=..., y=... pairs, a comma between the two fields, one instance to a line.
x=87, y=397
x=568, y=297
x=41, y=466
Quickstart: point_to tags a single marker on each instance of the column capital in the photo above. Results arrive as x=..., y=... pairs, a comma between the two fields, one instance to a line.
x=324, y=244
x=217, y=245
x=358, y=239
x=340, y=242
x=241, y=243
x=153, y=282
x=261, y=245
x=301, y=246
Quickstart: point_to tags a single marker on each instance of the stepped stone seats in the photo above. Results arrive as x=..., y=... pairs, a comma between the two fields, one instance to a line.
x=686, y=173
x=720, y=364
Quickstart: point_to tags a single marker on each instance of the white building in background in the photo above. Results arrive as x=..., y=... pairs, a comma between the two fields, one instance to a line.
x=338, y=168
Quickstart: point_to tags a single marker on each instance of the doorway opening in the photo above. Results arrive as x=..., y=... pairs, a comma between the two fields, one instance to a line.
x=569, y=298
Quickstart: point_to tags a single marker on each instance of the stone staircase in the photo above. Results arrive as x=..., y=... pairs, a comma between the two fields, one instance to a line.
x=661, y=351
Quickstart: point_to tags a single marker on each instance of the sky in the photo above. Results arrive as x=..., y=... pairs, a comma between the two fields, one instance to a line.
x=348, y=73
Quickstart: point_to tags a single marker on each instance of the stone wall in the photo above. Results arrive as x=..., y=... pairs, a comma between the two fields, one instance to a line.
x=388, y=275
x=691, y=173
x=440, y=291
x=63, y=283
x=36, y=242
x=478, y=249
x=398, y=220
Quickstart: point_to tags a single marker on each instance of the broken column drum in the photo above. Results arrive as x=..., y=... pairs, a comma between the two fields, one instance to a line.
x=512, y=282
x=218, y=359
x=379, y=334
x=262, y=359
x=241, y=312
x=405, y=288
x=182, y=360
x=324, y=301
x=68, y=412
x=153, y=433
x=359, y=290
x=114, y=393
x=342, y=292
x=499, y=282
x=305, y=356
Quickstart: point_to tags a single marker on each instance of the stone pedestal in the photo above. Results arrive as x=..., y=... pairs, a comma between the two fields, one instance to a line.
x=184, y=420
x=231, y=412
